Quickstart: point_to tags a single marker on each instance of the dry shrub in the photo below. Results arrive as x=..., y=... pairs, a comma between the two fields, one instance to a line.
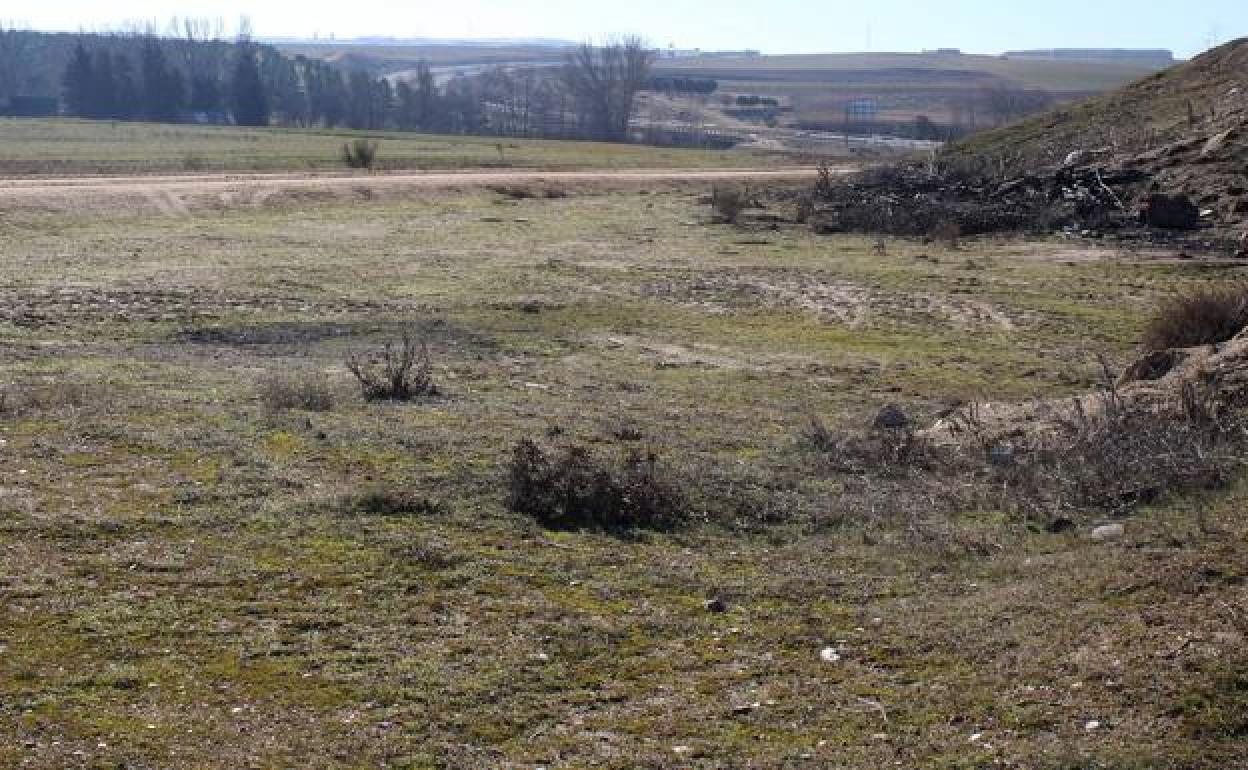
x=729, y=203
x=381, y=501
x=360, y=153
x=1109, y=460
x=1207, y=316
x=806, y=210
x=308, y=391
x=949, y=233
x=515, y=193
x=573, y=489
x=825, y=184
x=400, y=372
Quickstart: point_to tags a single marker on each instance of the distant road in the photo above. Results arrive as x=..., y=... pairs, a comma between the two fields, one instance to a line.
x=184, y=192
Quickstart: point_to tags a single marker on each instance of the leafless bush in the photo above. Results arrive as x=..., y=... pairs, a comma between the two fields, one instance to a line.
x=824, y=182
x=1206, y=316
x=400, y=372
x=360, y=153
x=949, y=233
x=729, y=203
x=573, y=489
x=309, y=391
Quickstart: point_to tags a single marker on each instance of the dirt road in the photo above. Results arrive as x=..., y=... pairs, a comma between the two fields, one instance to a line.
x=183, y=193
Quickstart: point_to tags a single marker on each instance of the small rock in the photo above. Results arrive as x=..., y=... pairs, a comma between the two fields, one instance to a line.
x=1109, y=532
x=1092, y=726
x=830, y=655
x=718, y=606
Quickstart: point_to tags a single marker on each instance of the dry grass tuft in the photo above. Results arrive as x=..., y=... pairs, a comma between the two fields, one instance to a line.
x=307, y=391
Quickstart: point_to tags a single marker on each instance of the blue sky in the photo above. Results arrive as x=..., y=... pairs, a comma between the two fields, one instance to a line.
x=775, y=26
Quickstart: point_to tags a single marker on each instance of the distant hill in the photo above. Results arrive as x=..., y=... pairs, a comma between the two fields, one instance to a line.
x=1144, y=57
x=943, y=85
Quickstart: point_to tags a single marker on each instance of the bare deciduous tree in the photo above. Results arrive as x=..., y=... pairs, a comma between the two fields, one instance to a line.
x=604, y=81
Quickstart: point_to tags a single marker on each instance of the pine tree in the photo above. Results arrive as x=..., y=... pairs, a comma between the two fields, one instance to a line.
x=248, y=99
x=163, y=92
x=129, y=98
x=205, y=95
x=77, y=83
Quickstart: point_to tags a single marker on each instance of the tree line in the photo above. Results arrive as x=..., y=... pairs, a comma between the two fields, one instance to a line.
x=196, y=76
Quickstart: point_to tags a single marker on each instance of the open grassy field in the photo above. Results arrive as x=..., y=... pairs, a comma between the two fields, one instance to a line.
x=190, y=579
x=70, y=147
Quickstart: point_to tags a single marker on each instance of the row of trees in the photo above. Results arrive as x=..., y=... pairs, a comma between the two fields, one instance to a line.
x=107, y=84
x=592, y=95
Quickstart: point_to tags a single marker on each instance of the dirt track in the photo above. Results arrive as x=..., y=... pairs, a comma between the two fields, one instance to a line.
x=183, y=193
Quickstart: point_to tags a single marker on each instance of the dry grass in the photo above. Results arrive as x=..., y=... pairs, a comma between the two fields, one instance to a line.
x=196, y=581
x=1206, y=316
x=307, y=391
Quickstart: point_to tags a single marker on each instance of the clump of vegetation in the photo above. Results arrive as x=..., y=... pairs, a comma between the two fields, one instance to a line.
x=514, y=192
x=382, y=501
x=805, y=209
x=360, y=153
x=400, y=372
x=949, y=233
x=1206, y=316
x=1219, y=710
x=824, y=183
x=308, y=391
x=572, y=489
x=729, y=203
x=1108, y=458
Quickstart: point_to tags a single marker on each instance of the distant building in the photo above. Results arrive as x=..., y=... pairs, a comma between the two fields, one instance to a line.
x=944, y=51
x=1147, y=57
x=862, y=109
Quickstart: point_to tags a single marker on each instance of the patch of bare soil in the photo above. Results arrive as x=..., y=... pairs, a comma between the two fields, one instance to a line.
x=828, y=299
x=74, y=306
x=668, y=355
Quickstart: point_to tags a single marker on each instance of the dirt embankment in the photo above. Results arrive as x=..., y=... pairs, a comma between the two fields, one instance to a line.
x=1161, y=160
